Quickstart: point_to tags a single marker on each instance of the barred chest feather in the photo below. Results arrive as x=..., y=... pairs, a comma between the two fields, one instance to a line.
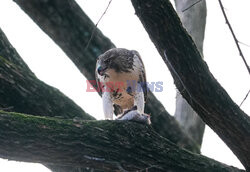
x=121, y=85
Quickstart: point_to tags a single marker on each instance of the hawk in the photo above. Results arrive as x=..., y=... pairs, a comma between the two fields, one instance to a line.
x=121, y=78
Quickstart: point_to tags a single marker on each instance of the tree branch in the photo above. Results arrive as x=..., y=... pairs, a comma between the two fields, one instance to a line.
x=71, y=29
x=21, y=90
x=193, y=17
x=234, y=36
x=203, y=92
x=94, y=144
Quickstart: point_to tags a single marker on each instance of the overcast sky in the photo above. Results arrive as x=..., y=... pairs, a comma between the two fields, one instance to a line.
x=51, y=65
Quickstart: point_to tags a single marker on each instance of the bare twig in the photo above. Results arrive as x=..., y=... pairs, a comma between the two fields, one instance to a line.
x=235, y=39
x=93, y=32
x=245, y=98
x=191, y=5
x=243, y=43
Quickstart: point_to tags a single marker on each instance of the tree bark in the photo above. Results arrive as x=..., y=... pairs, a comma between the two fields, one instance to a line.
x=193, y=78
x=22, y=91
x=193, y=19
x=71, y=28
x=94, y=144
x=165, y=125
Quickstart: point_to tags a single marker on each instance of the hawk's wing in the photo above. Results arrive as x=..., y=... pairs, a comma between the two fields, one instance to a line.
x=98, y=83
x=117, y=108
x=142, y=76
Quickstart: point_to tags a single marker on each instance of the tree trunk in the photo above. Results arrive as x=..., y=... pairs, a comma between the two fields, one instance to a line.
x=94, y=144
x=71, y=29
x=193, y=19
x=193, y=78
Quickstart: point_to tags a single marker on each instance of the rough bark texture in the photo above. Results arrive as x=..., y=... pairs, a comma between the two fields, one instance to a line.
x=70, y=28
x=95, y=144
x=193, y=19
x=193, y=78
x=22, y=91
x=167, y=126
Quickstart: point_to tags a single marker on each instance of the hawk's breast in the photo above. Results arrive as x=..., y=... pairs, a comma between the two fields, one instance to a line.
x=122, y=86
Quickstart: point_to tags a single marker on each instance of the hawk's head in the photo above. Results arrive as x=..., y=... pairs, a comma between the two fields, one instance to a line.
x=118, y=59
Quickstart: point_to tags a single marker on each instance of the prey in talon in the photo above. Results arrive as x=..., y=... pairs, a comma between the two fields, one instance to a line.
x=134, y=115
x=121, y=79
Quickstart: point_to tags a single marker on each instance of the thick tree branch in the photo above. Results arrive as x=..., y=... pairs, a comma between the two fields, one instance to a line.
x=193, y=78
x=22, y=91
x=193, y=17
x=94, y=144
x=71, y=29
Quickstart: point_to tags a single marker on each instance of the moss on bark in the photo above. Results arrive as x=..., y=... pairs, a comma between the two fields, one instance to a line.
x=103, y=145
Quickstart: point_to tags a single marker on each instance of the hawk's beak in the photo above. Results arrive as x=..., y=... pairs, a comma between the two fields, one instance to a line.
x=101, y=70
